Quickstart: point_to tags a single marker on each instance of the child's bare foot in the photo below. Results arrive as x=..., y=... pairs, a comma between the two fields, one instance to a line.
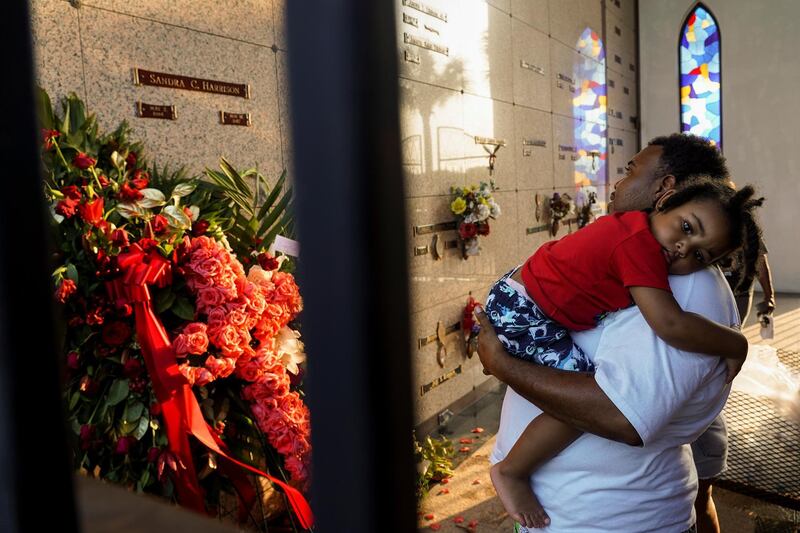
x=518, y=498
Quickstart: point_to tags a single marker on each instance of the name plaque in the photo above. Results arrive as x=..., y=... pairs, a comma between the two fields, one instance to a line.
x=411, y=57
x=426, y=44
x=424, y=389
x=489, y=140
x=174, y=81
x=408, y=19
x=422, y=8
x=167, y=112
x=534, y=142
x=530, y=66
x=234, y=119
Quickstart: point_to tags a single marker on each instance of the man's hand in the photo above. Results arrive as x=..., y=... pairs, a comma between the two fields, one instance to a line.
x=490, y=351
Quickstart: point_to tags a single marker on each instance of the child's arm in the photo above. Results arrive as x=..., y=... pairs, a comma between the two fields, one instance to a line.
x=689, y=331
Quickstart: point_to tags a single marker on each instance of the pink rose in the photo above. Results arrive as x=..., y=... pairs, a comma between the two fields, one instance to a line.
x=209, y=298
x=193, y=340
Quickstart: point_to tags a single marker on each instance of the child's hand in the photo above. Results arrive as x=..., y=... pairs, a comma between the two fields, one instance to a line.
x=734, y=366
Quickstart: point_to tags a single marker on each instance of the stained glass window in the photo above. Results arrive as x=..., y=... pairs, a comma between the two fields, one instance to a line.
x=589, y=110
x=701, y=92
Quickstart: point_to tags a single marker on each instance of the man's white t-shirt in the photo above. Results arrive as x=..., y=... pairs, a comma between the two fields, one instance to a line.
x=668, y=395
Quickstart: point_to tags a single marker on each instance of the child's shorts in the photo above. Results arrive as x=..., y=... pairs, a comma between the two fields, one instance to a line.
x=527, y=333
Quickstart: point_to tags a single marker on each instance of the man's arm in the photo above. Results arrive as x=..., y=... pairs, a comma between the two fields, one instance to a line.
x=575, y=398
x=767, y=305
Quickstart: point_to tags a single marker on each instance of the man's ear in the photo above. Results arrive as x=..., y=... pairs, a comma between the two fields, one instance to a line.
x=663, y=198
x=665, y=185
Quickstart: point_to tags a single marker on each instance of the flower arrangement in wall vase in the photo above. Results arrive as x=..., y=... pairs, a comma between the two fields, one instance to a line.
x=474, y=206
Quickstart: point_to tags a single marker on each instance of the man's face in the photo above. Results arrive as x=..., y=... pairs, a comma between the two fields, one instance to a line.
x=637, y=189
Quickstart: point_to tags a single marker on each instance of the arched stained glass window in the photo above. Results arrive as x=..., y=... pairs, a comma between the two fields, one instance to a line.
x=589, y=110
x=701, y=90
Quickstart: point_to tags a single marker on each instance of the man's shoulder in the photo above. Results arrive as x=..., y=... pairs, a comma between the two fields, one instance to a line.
x=706, y=293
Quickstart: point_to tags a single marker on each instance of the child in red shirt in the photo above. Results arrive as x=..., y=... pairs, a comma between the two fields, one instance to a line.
x=620, y=260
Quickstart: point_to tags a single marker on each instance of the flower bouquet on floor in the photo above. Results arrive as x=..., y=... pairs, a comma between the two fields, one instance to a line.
x=473, y=206
x=183, y=360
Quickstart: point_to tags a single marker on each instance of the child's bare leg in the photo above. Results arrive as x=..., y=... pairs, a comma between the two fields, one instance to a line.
x=543, y=439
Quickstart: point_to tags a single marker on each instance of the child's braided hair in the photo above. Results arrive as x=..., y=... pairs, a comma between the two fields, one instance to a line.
x=739, y=208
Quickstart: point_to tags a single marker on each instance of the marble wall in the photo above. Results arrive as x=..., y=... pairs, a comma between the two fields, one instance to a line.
x=499, y=69
x=495, y=69
x=92, y=50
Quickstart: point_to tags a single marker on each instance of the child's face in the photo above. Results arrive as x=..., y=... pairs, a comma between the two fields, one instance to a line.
x=692, y=236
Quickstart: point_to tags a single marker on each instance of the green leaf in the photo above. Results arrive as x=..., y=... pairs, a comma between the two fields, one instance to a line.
x=145, y=479
x=277, y=229
x=275, y=213
x=72, y=272
x=165, y=301
x=152, y=198
x=273, y=195
x=44, y=109
x=176, y=217
x=118, y=392
x=73, y=400
x=182, y=308
x=134, y=411
x=126, y=427
x=183, y=189
x=129, y=210
x=141, y=428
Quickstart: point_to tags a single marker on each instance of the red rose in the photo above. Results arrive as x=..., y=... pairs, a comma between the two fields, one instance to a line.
x=124, y=445
x=88, y=386
x=115, y=333
x=152, y=454
x=132, y=368
x=483, y=228
x=66, y=208
x=103, y=180
x=267, y=262
x=92, y=212
x=129, y=194
x=83, y=161
x=86, y=436
x=147, y=244
x=119, y=237
x=200, y=227
x=160, y=224
x=73, y=360
x=140, y=179
x=71, y=192
x=66, y=289
x=467, y=230
x=48, y=136
x=131, y=159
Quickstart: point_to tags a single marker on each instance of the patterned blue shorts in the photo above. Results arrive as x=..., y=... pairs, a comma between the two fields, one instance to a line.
x=527, y=333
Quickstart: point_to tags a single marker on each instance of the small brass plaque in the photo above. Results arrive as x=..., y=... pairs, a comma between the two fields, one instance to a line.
x=234, y=119
x=167, y=112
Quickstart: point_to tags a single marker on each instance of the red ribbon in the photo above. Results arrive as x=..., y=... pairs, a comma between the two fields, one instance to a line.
x=179, y=407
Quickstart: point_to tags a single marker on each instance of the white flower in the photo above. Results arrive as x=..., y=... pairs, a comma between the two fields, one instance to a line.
x=259, y=276
x=290, y=349
x=494, y=209
x=482, y=212
x=471, y=218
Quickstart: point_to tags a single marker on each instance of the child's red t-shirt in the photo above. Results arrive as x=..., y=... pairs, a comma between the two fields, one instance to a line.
x=582, y=276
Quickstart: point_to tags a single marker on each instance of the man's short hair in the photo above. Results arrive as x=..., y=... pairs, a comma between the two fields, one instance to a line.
x=684, y=155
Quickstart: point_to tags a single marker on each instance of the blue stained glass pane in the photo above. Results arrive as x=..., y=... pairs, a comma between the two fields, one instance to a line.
x=589, y=110
x=701, y=90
